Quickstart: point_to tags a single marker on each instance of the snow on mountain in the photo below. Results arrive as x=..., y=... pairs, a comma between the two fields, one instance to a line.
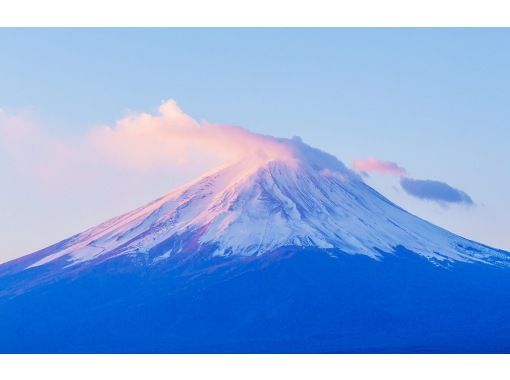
x=301, y=197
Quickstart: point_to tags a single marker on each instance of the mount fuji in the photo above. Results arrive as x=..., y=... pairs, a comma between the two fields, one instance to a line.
x=276, y=252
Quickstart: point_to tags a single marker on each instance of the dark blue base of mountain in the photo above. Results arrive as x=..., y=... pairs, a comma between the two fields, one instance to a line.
x=291, y=301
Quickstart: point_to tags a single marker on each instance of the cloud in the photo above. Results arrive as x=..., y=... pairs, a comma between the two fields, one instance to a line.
x=168, y=141
x=435, y=191
x=139, y=143
x=370, y=164
x=430, y=190
x=28, y=149
x=13, y=128
x=142, y=141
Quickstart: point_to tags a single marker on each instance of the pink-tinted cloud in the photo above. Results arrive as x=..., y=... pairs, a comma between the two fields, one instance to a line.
x=370, y=164
x=139, y=143
x=170, y=137
x=30, y=151
x=13, y=129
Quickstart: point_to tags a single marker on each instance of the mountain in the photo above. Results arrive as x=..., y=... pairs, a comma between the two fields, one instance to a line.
x=287, y=252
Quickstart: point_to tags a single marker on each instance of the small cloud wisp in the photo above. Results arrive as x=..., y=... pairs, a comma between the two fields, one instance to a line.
x=435, y=191
x=370, y=164
x=424, y=189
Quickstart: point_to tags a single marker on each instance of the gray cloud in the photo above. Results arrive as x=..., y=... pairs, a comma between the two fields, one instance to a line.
x=434, y=191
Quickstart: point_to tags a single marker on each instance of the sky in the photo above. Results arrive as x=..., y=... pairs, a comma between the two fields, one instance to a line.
x=422, y=114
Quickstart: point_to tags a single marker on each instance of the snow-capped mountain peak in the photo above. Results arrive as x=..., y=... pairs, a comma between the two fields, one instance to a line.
x=289, y=195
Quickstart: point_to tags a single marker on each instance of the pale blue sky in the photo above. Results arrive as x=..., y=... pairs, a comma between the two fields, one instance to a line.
x=436, y=101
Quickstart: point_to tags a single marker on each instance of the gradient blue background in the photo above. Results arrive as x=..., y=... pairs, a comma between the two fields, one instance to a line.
x=436, y=101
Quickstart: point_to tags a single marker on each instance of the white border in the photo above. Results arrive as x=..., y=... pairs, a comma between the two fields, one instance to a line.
x=247, y=367
x=254, y=13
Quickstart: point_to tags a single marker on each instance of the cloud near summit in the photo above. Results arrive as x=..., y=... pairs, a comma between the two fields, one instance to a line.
x=370, y=164
x=143, y=140
x=139, y=142
x=424, y=189
x=434, y=191
x=166, y=140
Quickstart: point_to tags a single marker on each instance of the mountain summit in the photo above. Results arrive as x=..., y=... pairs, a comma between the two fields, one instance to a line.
x=236, y=260
x=302, y=198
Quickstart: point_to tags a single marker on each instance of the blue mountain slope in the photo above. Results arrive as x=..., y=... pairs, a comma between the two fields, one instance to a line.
x=292, y=300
